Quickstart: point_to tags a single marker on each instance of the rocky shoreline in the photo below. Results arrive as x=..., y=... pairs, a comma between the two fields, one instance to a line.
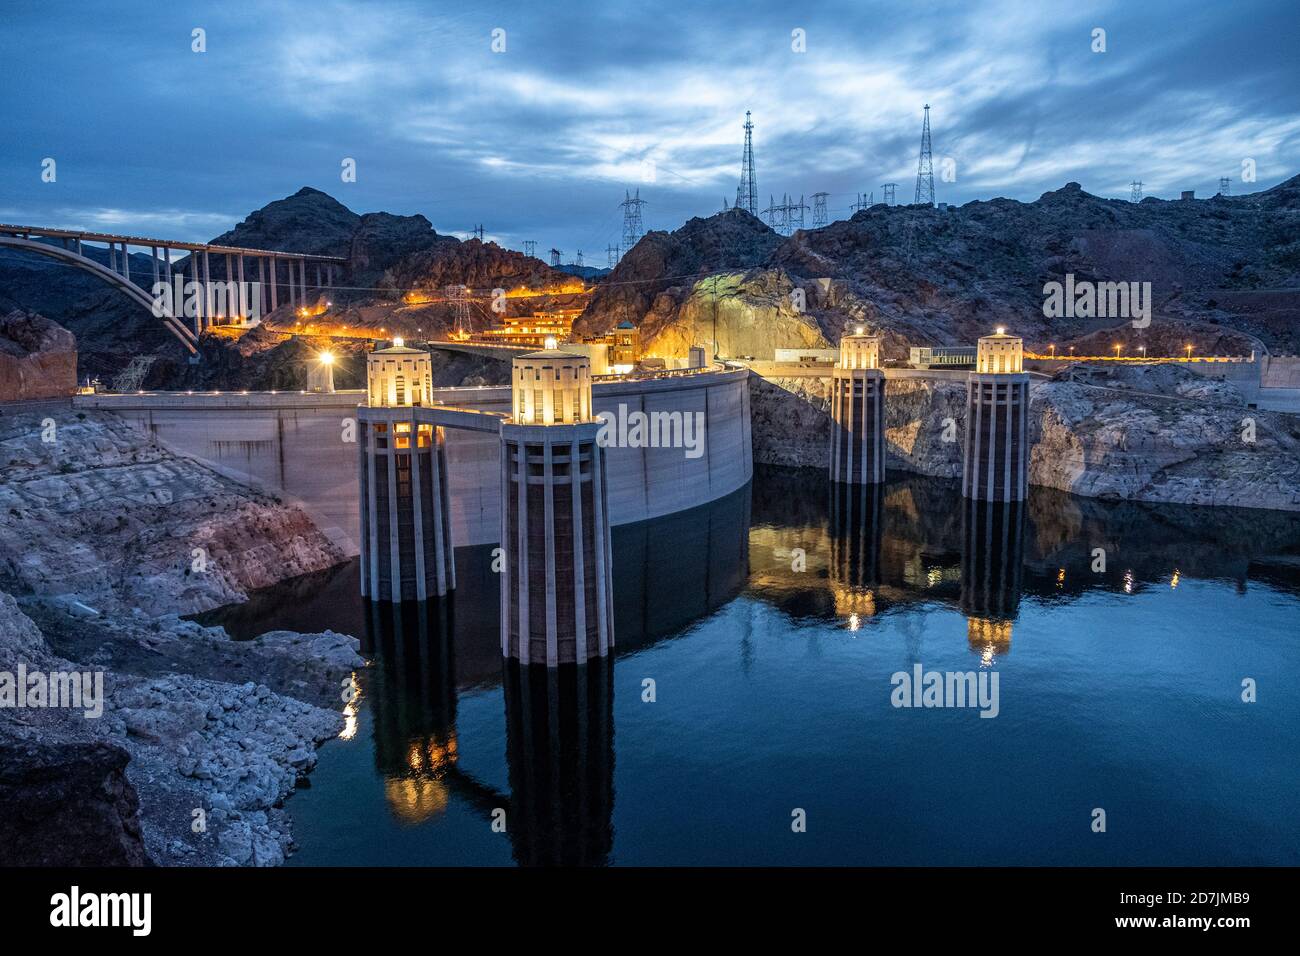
x=201, y=738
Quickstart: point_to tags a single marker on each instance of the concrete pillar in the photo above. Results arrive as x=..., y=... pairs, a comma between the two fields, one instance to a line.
x=996, y=460
x=112, y=256
x=288, y=271
x=230, y=307
x=126, y=263
x=557, y=599
x=406, y=544
x=302, y=281
x=557, y=604
x=318, y=275
x=262, y=302
x=275, y=298
x=207, y=290
x=153, y=253
x=857, y=453
x=194, y=277
x=245, y=306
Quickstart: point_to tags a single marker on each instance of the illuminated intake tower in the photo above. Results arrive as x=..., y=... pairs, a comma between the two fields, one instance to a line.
x=997, y=422
x=406, y=549
x=858, y=412
x=556, y=597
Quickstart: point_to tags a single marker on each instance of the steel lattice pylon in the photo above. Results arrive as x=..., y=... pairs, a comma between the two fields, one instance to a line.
x=925, y=166
x=633, y=229
x=747, y=191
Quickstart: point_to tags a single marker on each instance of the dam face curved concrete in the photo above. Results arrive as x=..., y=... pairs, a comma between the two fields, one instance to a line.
x=303, y=446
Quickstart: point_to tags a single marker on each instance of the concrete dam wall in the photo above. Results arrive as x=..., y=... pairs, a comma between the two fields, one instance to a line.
x=302, y=446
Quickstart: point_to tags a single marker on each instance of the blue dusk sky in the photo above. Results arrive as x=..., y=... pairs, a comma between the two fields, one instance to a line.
x=589, y=99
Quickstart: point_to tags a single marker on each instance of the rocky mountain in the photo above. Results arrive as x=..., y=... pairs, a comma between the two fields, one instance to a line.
x=660, y=272
x=308, y=221
x=947, y=275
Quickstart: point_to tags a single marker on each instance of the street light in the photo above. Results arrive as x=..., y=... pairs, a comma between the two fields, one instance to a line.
x=1052, y=347
x=1189, y=351
x=1117, y=348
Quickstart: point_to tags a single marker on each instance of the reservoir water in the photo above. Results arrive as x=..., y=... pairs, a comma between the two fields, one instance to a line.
x=1147, y=662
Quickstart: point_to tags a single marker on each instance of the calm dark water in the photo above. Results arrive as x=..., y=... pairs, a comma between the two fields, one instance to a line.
x=1119, y=690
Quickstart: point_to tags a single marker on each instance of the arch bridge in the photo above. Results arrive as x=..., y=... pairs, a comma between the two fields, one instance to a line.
x=258, y=295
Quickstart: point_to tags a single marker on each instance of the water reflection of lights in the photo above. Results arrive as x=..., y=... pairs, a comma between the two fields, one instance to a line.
x=989, y=637
x=351, y=698
x=855, y=604
x=1128, y=582
x=1060, y=577
x=1173, y=582
x=415, y=799
x=933, y=576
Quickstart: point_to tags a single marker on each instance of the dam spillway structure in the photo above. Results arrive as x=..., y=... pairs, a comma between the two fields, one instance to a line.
x=858, y=412
x=556, y=587
x=405, y=540
x=996, y=460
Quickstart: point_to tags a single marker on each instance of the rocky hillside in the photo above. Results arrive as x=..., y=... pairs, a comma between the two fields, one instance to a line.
x=947, y=275
x=104, y=537
x=660, y=272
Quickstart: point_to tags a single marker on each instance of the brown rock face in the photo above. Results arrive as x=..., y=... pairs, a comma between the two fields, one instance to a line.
x=38, y=358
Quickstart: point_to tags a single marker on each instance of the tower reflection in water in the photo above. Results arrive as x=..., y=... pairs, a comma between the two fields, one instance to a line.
x=560, y=751
x=856, y=516
x=412, y=699
x=559, y=739
x=992, y=556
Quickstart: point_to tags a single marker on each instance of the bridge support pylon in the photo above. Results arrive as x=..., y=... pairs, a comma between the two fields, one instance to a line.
x=556, y=582
x=996, y=461
x=858, y=412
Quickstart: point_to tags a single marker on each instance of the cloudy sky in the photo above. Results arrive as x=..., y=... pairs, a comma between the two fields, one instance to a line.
x=589, y=99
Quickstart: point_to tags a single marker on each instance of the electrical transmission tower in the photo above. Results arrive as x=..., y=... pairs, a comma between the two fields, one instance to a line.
x=794, y=215
x=747, y=191
x=633, y=230
x=555, y=257
x=530, y=247
x=1135, y=191
x=1225, y=185
x=776, y=215
x=887, y=193
x=865, y=201
x=478, y=232
x=578, y=261
x=819, y=210
x=458, y=298
x=925, y=166
x=613, y=254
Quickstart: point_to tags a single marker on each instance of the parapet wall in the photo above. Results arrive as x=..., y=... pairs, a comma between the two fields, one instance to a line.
x=297, y=444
